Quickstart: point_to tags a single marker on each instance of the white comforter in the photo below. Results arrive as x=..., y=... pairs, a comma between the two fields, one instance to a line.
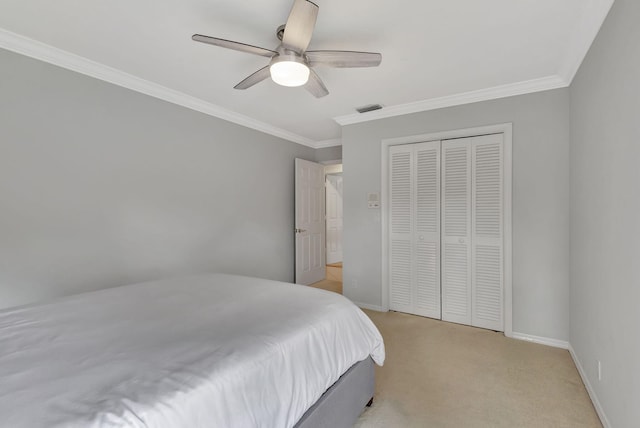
x=206, y=351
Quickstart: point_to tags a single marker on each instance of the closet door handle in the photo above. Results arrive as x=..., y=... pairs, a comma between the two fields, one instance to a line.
x=461, y=240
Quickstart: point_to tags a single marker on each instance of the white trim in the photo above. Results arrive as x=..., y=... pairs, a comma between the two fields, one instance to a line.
x=34, y=49
x=371, y=307
x=503, y=91
x=508, y=229
x=384, y=222
x=507, y=130
x=556, y=343
x=591, y=20
x=327, y=143
x=590, y=390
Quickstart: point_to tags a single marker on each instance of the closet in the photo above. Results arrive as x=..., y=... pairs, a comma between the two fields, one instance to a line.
x=446, y=230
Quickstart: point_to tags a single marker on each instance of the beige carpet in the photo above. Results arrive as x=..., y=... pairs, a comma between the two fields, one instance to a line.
x=439, y=374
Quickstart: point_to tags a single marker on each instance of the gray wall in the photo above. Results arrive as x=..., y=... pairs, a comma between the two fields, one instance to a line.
x=605, y=220
x=540, y=201
x=102, y=186
x=329, y=154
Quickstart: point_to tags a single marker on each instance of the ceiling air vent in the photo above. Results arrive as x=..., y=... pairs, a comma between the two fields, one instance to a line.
x=370, y=107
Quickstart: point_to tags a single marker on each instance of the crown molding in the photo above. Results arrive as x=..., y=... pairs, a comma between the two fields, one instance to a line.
x=582, y=39
x=590, y=23
x=503, y=91
x=43, y=52
x=328, y=143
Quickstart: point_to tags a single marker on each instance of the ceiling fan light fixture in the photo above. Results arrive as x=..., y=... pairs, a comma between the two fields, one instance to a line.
x=291, y=63
x=289, y=71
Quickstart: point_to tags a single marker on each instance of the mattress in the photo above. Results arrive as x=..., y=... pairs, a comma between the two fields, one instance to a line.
x=205, y=351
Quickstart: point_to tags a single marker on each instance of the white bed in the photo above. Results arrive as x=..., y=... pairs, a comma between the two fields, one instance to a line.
x=206, y=351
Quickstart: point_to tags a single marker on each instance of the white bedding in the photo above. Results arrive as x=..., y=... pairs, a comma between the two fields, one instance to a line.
x=206, y=351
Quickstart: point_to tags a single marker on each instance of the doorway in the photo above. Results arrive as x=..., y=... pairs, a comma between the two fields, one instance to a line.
x=333, y=217
x=334, y=226
x=331, y=279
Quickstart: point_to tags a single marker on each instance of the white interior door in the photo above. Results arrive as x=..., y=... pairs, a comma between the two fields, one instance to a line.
x=427, y=229
x=487, y=228
x=473, y=231
x=401, y=220
x=310, y=224
x=334, y=218
x=414, y=264
x=456, y=230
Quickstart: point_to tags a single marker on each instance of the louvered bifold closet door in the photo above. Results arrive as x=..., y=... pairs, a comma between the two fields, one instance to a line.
x=427, y=229
x=456, y=230
x=401, y=219
x=414, y=268
x=487, y=232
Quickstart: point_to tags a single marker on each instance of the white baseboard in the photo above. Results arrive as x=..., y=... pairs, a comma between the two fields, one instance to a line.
x=541, y=340
x=590, y=390
x=371, y=307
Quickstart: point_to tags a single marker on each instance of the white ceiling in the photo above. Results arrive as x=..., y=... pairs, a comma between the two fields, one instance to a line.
x=434, y=52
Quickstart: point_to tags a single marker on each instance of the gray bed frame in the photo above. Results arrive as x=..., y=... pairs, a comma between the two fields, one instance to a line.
x=341, y=404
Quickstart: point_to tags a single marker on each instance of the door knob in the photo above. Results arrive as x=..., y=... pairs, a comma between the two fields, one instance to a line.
x=461, y=240
x=299, y=230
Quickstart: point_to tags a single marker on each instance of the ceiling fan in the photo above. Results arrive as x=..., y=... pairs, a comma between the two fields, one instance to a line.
x=291, y=63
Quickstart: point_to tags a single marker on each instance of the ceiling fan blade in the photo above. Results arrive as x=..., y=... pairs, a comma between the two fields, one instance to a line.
x=300, y=24
x=256, y=77
x=315, y=85
x=242, y=47
x=343, y=59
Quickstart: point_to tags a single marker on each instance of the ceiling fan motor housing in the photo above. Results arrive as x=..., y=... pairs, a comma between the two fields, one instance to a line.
x=285, y=54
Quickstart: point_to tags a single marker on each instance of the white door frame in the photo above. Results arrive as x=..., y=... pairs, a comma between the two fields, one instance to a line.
x=503, y=128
